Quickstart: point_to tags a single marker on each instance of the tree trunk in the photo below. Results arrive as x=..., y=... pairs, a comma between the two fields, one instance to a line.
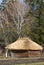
x=6, y=54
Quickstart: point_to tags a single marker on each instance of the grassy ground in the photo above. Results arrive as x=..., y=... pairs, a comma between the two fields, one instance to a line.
x=39, y=63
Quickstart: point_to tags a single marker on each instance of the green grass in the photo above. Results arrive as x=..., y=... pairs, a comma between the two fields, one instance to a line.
x=39, y=63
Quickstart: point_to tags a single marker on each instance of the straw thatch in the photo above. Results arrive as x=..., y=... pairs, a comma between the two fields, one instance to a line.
x=24, y=44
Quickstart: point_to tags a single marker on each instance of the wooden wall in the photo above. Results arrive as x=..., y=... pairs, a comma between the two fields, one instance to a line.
x=26, y=54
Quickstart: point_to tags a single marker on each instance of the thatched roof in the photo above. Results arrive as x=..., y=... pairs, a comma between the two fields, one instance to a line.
x=24, y=44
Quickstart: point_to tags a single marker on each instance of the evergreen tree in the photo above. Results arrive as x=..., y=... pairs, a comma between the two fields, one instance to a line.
x=37, y=26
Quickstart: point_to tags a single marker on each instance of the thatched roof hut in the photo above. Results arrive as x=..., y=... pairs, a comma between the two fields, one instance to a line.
x=24, y=47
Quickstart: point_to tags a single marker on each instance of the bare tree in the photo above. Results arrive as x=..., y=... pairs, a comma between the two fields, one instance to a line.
x=19, y=11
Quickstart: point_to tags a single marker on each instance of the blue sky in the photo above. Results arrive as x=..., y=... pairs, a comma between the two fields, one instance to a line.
x=0, y=1
x=19, y=0
x=22, y=1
